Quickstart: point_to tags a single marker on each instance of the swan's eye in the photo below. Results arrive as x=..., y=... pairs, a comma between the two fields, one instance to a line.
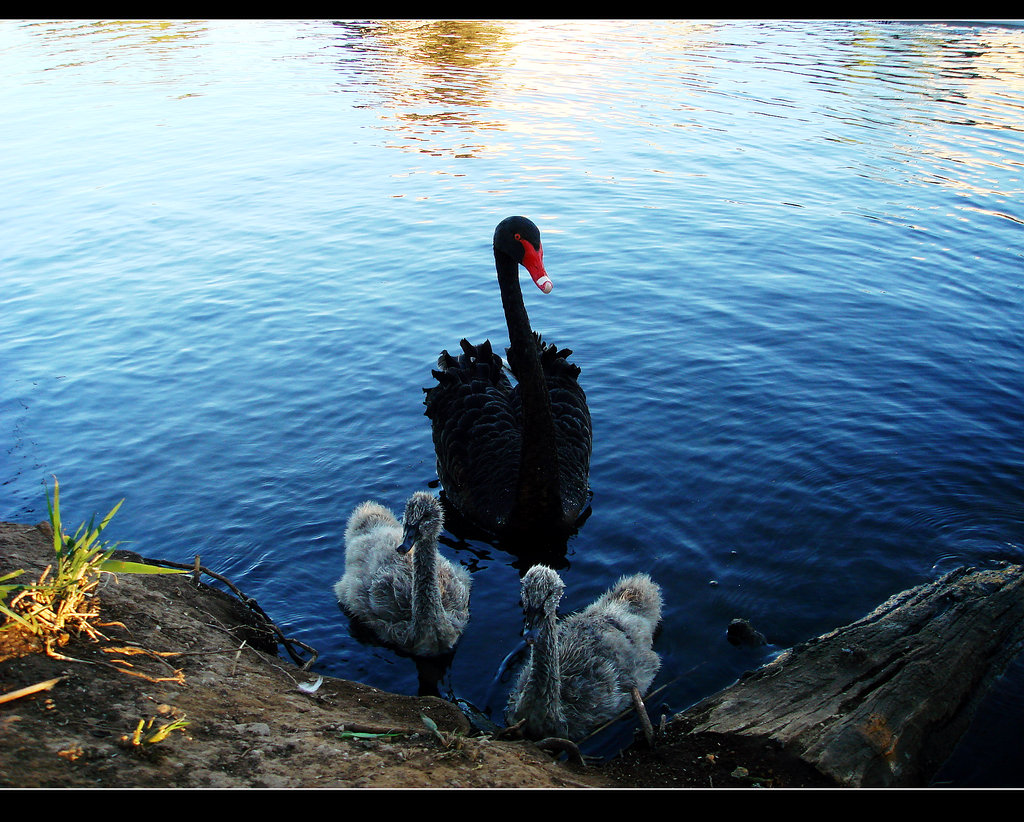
x=518, y=236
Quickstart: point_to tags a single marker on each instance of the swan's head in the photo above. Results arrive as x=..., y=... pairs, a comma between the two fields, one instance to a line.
x=541, y=592
x=519, y=238
x=423, y=521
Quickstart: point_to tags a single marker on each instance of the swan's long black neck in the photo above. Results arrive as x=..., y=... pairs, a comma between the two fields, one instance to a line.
x=538, y=494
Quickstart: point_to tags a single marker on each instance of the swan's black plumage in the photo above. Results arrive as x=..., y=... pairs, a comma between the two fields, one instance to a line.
x=513, y=459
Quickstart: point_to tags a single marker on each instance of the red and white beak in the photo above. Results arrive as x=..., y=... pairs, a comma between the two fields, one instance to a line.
x=533, y=261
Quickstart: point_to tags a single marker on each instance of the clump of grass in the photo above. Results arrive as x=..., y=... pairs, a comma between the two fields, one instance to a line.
x=145, y=734
x=63, y=600
x=446, y=738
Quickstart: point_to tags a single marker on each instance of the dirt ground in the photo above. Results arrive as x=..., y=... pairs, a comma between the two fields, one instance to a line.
x=173, y=650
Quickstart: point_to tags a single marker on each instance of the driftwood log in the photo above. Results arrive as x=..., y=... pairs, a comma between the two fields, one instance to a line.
x=881, y=702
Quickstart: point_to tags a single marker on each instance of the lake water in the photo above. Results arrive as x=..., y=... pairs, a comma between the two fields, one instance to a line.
x=787, y=256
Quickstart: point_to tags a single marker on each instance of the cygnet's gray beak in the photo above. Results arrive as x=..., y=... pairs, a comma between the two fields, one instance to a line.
x=531, y=620
x=409, y=537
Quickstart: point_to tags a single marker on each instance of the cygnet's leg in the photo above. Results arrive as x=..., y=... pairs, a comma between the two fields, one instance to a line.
x=512, y=731
x=641, y=711
x=557, y=745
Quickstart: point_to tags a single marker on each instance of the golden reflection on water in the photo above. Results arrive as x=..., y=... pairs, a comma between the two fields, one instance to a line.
x=432, y=78
x=147, y=35
x=451, y=87
x=475, y=88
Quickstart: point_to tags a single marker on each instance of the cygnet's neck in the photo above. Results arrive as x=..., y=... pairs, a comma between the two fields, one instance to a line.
x=427, y=611
x=542, y=695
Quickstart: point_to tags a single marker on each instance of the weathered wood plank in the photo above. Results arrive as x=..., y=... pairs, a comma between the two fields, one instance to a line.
x=884, y=700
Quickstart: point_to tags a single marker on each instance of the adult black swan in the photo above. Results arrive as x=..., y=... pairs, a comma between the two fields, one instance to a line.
x=513, y=460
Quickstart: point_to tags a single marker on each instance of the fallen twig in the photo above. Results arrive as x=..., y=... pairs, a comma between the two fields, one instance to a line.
x=29, y=690
x=250, y=603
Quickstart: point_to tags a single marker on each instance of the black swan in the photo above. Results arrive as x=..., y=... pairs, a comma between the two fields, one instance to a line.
x=411, y=598
x=587, y=668
x=514, y=461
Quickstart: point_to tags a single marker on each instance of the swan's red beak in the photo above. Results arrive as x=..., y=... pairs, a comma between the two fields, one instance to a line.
x=533, y=261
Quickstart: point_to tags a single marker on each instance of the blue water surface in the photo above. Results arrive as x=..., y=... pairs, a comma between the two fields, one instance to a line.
x=787, y=256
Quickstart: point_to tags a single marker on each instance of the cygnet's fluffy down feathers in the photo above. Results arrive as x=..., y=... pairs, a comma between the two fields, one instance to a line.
x=603, y=652
x=416, y=601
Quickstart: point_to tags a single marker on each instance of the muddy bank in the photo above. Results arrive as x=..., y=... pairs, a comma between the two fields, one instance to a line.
x=172, y=650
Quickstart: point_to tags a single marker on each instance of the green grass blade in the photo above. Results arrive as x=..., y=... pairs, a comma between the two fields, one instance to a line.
x=118, y=566
x=16, y=617
x=54, y=509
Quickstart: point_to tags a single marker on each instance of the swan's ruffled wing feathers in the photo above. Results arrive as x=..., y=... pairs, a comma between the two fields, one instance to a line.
x=474, y=419
x=554, y=362
x=573, y=430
